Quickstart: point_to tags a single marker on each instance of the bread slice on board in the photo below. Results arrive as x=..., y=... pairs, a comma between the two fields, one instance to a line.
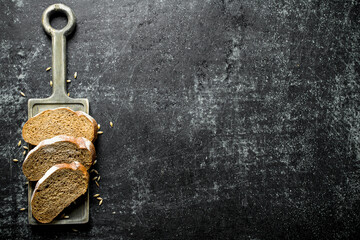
x=58, y=188
x=59, y=121
x=59, y=149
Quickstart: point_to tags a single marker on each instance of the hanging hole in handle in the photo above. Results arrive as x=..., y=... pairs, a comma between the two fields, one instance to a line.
x=52, y=13
x=58, y=20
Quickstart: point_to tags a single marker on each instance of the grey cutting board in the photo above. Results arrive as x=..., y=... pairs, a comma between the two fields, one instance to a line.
x=78, y=212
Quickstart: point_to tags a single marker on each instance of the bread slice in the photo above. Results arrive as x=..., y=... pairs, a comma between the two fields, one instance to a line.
x=58, y=188
x=59, y=149
x=59, y=121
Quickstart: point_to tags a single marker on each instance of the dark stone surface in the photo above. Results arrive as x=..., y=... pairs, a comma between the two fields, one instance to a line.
x=232, y=119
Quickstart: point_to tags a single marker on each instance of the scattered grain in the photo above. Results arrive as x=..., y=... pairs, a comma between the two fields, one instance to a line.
x=101, y=201
x=75, y=230
x=66, y=217
x=96, y=195
x=68, y=94
x=99, y=198
x=19, y=143
x=22, y=94
x=111, y=124
x=48, y=69
x=98, y=126
x=22, y=209
x=68, y=81
x=95, y=162
x=15, y=160
x=100, y=132
x=25, y=147
x=97, y=184
x=75, y=75
x=98, y=178
x=24, y=153
x=51, y=83
x=113, y=212
x=94, y=178
x=93, y=170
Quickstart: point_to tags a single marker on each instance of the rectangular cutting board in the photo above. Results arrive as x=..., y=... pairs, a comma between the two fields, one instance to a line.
x=78, y=211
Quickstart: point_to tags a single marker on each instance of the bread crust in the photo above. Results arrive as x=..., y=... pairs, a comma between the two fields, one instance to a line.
x=80, y=142
x=76, y=166
x=94, y=123
x=27, y=136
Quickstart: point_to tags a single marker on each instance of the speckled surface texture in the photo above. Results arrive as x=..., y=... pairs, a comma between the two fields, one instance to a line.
x=232, y=119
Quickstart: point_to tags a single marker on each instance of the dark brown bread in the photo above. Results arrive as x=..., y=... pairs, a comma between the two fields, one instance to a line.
x=58, y=188
x=59, y=121
x=59, y=149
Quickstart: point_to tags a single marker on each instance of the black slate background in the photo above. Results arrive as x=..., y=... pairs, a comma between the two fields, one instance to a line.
x=232, y=119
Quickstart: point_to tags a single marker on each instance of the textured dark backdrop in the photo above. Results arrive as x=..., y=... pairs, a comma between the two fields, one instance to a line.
x=232, y=119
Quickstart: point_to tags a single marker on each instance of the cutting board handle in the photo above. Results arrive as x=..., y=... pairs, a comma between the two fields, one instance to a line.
x=58, y=37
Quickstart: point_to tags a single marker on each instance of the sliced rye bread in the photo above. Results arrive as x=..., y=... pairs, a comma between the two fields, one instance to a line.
x=59, y=149
x=58, y=188
x=59, y=121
